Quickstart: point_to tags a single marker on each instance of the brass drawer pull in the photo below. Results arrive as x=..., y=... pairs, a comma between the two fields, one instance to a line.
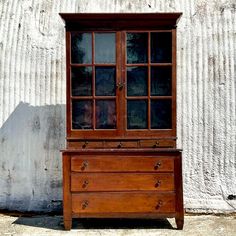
x=159, y=204
x=85, y=204
x=157, y=166
x=84, y=165
x=158, y=183
x=156, y=144
x=85, y=183
x=119, y=145
x=85, y=144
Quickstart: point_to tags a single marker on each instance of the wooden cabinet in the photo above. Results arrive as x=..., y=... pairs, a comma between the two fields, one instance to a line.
x=121, y=158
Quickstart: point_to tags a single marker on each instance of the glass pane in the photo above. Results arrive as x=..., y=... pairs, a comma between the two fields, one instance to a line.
x=81, y=47
x=161, y=47
x=105, y=78
x=105, y=114
x=137, y=48
x=161, y=114
x=82, y=114
x=137, y=81
x=137, y=114
x=105, y=48
x=161, y=81
x=81, y=81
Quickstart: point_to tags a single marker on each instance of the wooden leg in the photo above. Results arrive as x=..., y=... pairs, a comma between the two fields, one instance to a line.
x=67, y=224
x=179, y=222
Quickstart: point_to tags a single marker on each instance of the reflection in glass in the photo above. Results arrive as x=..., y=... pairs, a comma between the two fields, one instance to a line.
x=161, y=47
x=137, y=47
x=137, y=114
x=105, y=78
x=105, y=47
x=105, y=114
x=161, y=114
x=82, y=114
x=81, y=47
x=137, y=81
x=81, y=81
x=161, y=81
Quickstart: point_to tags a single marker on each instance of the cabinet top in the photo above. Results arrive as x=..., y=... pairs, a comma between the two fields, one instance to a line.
x=121, y=20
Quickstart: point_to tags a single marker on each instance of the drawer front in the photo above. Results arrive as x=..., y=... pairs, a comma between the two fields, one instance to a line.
x=121, y=164
x=121, y=181
x=122, y=202
x=163, y=143
x=121, y=144
x=85, y=144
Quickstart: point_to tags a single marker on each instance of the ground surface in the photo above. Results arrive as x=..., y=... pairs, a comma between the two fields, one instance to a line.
x=209, y=225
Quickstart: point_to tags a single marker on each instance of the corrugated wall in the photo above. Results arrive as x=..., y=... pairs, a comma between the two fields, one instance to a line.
x=32, y=99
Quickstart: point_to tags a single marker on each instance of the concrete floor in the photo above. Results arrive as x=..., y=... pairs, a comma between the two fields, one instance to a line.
x=209, y=225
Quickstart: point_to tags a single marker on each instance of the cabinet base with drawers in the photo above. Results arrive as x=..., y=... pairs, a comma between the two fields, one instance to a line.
x=122, y=183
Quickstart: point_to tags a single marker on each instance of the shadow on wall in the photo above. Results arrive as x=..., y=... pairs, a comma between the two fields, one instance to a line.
x=30, y=160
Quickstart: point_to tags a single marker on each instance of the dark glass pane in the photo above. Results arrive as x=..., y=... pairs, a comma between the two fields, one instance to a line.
x=137, y=48
x=137, y=114
x=105, y=48
x=81, y=47
x=137, y=81
x=82, y=115
x=161, y=44
x=161, y=81
x=81, y=81
x=105, y=114
x=105, y=78
x=161, y=114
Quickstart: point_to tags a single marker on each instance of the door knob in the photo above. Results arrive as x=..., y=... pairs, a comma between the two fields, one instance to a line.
x=120, y=86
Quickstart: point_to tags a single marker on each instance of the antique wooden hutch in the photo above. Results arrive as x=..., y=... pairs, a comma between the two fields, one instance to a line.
x=121, y=159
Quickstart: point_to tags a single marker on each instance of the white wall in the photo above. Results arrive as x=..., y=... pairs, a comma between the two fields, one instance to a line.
x=32, y=98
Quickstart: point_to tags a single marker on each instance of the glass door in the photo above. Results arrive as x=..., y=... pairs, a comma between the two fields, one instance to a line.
x=149, y=81
x=94, y=75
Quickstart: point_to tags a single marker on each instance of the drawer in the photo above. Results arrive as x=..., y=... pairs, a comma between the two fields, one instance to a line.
x=163, y=143
x=85, y=144
x=121, y=144
x=121, y=164
x=121, y=181
x=122, y=202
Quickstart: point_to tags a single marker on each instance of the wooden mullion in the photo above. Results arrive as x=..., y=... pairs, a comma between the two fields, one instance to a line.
x=93, y=80
x=149, y=81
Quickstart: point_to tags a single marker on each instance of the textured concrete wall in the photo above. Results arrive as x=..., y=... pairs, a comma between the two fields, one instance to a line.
x=32, y=98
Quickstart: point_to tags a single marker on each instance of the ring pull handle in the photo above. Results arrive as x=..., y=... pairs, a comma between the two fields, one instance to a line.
x=85, y=144
x=158, y=183
x=85, y=204
x=157, y=165
x=159, y=204
x=84, y=165
x=119, y=145
x=85, y=183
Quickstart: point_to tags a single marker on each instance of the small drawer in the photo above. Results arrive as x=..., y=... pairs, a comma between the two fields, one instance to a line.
x=162, y=143
x=85, y=144
x=121, y=164
x=110, y=202
x=121, y=144
x=121, y=182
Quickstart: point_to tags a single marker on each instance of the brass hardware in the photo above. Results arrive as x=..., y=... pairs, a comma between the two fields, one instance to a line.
x=156, y=144
x=84, y=204
x=85, y=144
x=120, y=86
x=119, y=145
x=86, y=182
x=157, y=166
x=159, y=204
x=84, y=165
x=158, y=183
